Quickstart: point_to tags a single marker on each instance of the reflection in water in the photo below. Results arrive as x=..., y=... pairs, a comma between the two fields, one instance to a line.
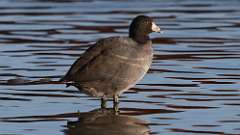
x=106, y=122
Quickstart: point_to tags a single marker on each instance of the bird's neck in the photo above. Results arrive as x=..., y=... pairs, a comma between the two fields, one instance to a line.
x=140, y=38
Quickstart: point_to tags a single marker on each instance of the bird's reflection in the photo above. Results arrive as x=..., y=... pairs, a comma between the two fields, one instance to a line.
x=106, y=122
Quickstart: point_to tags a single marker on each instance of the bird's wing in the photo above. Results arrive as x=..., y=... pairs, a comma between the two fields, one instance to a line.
x=91, y=53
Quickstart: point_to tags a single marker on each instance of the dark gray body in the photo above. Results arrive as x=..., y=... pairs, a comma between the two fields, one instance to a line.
x=111, y=66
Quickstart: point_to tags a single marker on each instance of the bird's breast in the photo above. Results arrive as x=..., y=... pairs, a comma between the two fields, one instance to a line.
x=132, y=63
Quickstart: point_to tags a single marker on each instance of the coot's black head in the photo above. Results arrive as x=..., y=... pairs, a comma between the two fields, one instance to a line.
x=141, y=27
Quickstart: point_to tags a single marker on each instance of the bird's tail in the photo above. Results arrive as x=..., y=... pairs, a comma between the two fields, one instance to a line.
x=66, y=81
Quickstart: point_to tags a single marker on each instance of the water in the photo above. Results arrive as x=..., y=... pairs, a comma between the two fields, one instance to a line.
x=192, y=87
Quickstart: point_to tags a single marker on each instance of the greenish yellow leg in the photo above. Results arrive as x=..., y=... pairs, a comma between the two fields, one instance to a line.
x=103, y=102
x=115, y=103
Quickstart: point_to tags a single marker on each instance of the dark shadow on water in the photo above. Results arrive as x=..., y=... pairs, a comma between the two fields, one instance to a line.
x=124, y=112
x=106, y=122
x=98, y=121
x=24, y=81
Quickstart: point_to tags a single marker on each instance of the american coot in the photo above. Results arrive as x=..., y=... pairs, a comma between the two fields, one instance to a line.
x=115, y=64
